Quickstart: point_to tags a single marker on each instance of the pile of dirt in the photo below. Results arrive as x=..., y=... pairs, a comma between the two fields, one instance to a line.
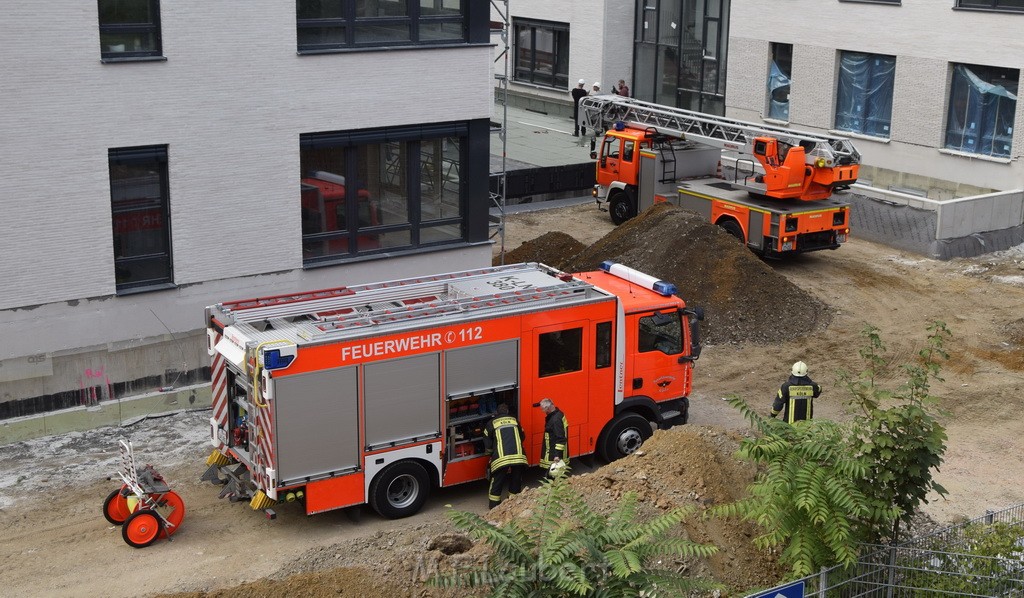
x=550, y=248
x=688, y=466
x=744, y=300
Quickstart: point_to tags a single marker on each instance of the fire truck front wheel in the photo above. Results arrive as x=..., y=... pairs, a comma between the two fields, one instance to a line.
x=623, y=436
x=400, y=490
x=620, y=207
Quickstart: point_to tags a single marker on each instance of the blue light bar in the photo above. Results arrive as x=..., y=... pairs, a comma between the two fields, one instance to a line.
x=637, y=277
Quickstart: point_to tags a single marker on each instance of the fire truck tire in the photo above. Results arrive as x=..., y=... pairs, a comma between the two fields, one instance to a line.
x=620, y=207
x=733, y=228
x=115, y=507
x=624, y=436
x=141, y=528
x=400, y=490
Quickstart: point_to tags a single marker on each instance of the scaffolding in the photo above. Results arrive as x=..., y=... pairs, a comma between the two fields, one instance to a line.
x=497, y=196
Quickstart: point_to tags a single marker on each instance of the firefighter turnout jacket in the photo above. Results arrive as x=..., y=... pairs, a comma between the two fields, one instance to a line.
x=795, y=399
x=503, y=441
x=556, y=438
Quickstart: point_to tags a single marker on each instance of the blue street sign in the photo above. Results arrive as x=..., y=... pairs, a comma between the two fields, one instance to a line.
x=793, y=590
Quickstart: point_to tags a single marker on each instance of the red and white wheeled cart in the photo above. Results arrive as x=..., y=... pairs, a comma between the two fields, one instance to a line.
x=144, y=506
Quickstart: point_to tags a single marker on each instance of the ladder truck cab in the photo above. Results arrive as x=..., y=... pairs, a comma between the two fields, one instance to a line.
x=778, y=200
x=380, y=392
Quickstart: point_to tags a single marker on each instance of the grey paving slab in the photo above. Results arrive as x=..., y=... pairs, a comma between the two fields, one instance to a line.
x=537, y=139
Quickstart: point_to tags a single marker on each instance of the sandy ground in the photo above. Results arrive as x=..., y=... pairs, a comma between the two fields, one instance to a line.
x=55, y=542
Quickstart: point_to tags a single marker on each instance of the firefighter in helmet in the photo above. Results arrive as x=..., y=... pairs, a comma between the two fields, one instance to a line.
x=503, y=441
x=556, y=437
x=795, y=399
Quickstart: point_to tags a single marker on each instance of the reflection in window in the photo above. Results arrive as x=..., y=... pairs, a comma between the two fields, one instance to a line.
x=338, y=24
x=129, y=28
x=982, y=106
x=661, y=332
x=408, y=192
x=560, y=352
x=139, y=205
x=542, y=53
x=603, y=352
x=779, y=74
x=864, y=96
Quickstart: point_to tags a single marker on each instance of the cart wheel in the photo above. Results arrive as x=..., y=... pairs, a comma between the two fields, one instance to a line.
x=115, y=507
x=141, y=528
x=173, y=510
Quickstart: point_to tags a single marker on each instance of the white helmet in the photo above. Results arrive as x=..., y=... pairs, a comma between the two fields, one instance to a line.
x=557, y=468
x=799, y=369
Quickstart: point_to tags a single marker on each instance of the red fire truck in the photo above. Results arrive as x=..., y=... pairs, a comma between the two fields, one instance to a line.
x=379, y=392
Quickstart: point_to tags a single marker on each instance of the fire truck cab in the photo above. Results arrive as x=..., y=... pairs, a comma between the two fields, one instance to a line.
x=378, y=393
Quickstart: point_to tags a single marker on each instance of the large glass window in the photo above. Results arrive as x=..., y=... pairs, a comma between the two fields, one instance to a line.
x=1007, y=5
x=779, y=74
x=982, y=107
x=864, y=95
x=680, y=53
x=139, y=205
x=661, y=332
x=129, y=28
x=542, y=53
x=407, y=184
x=340, y=24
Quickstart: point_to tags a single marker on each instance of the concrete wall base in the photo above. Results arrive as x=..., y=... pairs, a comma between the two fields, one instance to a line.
x=116, y=412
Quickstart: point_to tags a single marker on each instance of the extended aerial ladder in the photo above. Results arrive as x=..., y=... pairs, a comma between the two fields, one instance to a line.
x=797, y=164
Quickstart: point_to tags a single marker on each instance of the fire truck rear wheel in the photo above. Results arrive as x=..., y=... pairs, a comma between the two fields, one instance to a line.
x=733, y=228
x=400, y=490
x=620, y=207
x=624, y=436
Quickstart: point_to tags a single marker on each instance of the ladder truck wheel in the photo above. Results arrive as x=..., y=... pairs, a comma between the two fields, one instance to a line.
x=141, y=528
x=620, y=207
x=623, y=436
x=115, y=507
x=400, y=490
x=733, y=228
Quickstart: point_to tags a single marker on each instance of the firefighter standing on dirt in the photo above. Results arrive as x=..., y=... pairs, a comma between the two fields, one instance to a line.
x=795, y=398
x=556, y=437
x=503, y=441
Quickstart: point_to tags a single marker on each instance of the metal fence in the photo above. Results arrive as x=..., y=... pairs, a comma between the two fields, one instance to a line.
x=939, y=564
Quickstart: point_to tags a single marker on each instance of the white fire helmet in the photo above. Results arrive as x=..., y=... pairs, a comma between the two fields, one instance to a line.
x=799, y=369
x=557, y=468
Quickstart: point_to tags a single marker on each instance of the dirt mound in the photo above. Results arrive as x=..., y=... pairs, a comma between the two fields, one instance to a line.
x=744, y=300
x=551, y=248
x=688, y=466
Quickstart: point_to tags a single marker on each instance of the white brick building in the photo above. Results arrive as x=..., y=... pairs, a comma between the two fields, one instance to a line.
x=162, y=156
x=921, y=126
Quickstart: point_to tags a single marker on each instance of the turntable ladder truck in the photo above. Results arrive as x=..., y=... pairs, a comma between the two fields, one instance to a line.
x=778, y=200
x=377, y=393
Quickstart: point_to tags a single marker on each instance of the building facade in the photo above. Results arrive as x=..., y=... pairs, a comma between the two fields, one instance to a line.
x=159, y=158
x=927, y=88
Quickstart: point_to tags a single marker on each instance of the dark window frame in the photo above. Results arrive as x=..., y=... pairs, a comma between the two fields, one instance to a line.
x=349, y=22
x=152, y=27
x=411, y=138
x=992, y=5
x=125, y=215
x=560, y=33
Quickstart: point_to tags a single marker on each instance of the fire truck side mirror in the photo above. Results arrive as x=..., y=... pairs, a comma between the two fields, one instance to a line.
x=695, y=315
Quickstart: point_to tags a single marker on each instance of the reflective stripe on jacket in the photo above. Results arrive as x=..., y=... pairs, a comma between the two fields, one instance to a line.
x=556, y=438
x=503, y=441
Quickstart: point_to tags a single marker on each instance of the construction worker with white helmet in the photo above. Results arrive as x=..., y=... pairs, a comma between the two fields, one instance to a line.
x=795, y=399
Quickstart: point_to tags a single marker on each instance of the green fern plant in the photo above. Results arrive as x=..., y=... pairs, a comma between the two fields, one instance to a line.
x=804, y=498
x=564, y=548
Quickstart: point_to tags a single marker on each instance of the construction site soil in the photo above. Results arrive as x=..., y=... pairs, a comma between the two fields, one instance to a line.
x=761, y=316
